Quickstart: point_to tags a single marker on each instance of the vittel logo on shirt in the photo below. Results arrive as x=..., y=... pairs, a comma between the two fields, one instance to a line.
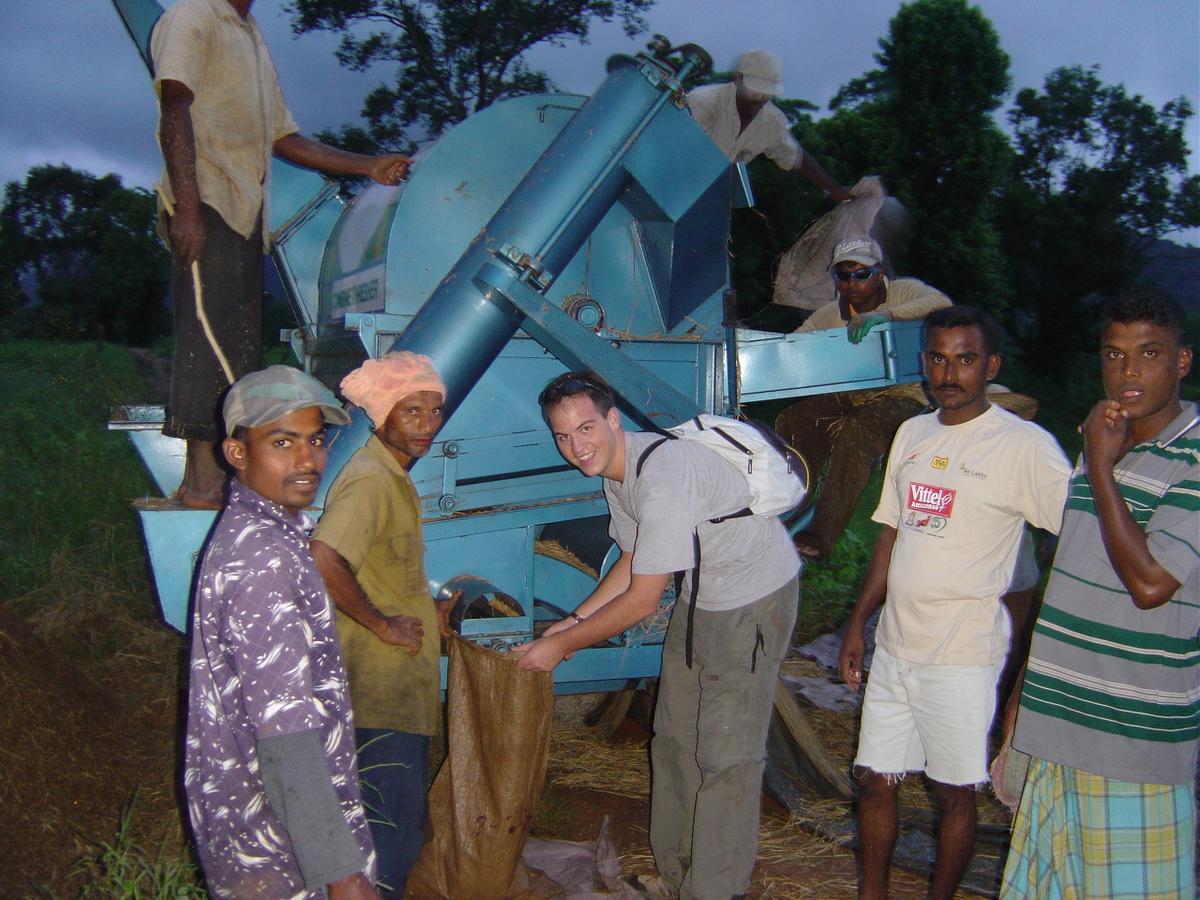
x=928, y=498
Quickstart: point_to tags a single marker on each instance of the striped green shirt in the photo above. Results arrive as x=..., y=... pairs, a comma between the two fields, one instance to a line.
x=1110, y=688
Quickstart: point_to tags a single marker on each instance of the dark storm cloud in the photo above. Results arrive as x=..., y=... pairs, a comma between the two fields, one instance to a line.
x=1150, y=45
x=76, y=92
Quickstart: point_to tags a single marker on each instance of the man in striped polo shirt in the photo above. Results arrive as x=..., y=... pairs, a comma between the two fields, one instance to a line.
x=1110, y=708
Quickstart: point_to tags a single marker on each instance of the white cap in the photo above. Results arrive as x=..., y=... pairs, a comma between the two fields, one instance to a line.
x=762, y=72
x=859, y=249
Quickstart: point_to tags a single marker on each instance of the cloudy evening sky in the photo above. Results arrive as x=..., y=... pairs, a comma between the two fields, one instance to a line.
x=76, y=92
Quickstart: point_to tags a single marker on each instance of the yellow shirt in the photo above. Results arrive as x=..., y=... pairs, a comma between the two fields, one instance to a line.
x=237, y=112
x=373, y=519
x=959, y=497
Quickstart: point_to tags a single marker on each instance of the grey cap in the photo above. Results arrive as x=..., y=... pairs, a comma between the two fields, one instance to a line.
x=859, y=249
x=262, y=397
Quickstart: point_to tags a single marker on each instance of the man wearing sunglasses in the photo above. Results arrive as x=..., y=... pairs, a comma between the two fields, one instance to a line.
x=850, y=429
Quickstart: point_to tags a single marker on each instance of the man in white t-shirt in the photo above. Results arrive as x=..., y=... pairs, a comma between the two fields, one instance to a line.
x=716, y=688
x=743, y=122
x=848, y=430
x=960, y=485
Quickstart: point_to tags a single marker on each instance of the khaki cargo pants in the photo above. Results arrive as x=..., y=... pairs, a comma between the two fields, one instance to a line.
x=709, y=746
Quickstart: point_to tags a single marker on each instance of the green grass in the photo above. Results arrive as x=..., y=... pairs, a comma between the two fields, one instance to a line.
x=67, y=482
x=828, y=588
x=123, y=868
x=72, y=564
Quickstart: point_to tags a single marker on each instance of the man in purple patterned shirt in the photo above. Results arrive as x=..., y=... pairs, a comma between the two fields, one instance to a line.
x=270, y=773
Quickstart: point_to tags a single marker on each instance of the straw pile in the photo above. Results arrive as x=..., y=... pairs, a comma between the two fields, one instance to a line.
x=555, y=550
x=579, y=760
x=795, y=860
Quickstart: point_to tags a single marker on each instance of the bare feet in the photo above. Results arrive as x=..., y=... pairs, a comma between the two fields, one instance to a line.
x=203, y=484
x=810, y=545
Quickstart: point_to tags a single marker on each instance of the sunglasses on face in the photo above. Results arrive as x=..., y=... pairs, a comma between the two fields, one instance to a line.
x=856, y=275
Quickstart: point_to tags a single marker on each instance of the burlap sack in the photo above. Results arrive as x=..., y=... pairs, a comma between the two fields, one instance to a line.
x=802, y=276
x=483, y=798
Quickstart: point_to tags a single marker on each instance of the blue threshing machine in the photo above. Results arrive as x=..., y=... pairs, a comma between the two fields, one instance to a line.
x=544, y=233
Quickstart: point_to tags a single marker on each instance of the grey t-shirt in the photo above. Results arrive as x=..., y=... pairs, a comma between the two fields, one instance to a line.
x=681, y=487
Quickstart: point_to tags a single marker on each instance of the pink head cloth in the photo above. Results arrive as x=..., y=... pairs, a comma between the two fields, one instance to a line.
x=378, y=384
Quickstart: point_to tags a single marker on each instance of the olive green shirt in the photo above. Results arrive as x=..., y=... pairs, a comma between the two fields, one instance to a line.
x=373, y=519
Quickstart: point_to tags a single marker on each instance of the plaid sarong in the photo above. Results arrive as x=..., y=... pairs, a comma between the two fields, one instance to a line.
x=1078, y=835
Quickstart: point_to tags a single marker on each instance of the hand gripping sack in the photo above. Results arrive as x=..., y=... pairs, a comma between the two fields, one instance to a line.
x=773, y=472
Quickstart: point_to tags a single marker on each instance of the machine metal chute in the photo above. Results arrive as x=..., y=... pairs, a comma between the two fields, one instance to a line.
x=544, y=233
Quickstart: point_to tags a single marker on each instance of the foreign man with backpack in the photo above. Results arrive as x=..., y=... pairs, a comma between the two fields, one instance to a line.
x=722, y=652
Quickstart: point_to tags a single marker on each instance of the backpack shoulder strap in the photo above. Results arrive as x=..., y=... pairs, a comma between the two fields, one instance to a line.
x=637, y=470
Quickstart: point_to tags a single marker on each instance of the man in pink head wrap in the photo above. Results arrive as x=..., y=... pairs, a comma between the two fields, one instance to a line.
x=369, y=551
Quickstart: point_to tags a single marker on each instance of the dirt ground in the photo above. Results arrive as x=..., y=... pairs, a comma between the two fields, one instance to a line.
x=590, y=779
x=79, y=742
x=78, y=745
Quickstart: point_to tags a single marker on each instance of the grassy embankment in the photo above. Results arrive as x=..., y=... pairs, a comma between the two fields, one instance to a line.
x=72, y=567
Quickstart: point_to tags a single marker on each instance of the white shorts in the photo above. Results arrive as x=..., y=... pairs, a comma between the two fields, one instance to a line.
x=927, y=718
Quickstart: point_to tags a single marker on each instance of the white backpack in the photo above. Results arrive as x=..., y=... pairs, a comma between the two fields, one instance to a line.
x=773, y=472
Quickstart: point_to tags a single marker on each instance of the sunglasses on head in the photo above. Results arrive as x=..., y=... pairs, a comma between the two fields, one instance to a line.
x=856, y=275
x=568, y=388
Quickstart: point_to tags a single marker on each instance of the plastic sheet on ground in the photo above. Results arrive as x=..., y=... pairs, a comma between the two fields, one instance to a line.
x=824, y=693
x=578, y=871
x=830, y=693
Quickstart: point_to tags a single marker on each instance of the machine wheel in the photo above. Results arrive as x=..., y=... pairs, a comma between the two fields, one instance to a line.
x=598, y=714
x=609, y=711
x=797, y=764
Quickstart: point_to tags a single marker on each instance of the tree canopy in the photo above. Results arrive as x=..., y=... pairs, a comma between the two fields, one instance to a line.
x=1097, y=177
x=1081, y=136
x=452, y=58
x=79, y=259
x=923, y=121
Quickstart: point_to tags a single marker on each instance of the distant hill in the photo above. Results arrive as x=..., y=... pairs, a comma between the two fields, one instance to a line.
x=1175, y=268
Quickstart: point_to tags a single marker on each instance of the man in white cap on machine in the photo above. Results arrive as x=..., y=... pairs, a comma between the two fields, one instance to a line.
x=850, y=429
x=743, y=122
